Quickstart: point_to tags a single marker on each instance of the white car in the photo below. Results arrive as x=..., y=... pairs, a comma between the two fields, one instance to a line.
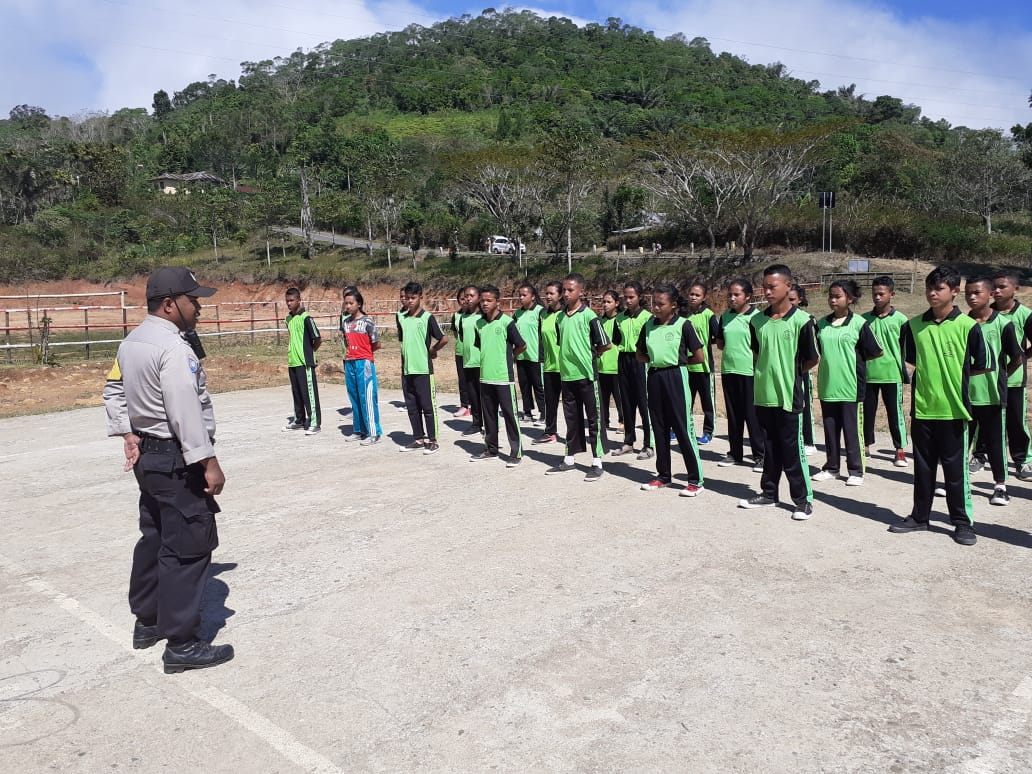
x=500, y=246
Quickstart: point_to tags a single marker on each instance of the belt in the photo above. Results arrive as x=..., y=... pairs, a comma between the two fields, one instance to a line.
x=151, y=443
x=663, y=368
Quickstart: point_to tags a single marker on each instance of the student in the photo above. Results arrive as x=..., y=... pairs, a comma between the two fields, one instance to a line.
x=797, y=295
x=499, y=342
x=631, y=371
x=303, y=343
x=360, y=342
x=581, y=340
x=785, y=344
x=464, y=338
x=397, y=319
x=700, y=375
x=946, y=349
x=528, y=362
x=1005, y=286
x=459, y=371
x=608, y=378
x=553, y=383
x=421, y=339
x=668, y=343
x=886, y=375
x=734, y=338
x=988, y=391
x=845, y=342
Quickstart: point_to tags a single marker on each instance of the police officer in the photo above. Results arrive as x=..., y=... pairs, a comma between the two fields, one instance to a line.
x=157, y=400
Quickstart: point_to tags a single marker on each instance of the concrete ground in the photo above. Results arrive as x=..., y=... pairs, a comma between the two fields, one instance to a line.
x=399, y=612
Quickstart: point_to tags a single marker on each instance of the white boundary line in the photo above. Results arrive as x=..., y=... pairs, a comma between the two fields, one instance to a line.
x=277, y=738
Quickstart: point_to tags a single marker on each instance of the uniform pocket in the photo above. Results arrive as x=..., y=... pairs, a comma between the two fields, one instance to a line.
x=194, y=535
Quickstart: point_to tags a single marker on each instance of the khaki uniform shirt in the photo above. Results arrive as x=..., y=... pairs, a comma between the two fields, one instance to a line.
x=157, y=387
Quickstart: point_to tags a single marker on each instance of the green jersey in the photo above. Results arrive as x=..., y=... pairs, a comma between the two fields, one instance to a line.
x=303, y=335
x=608, y=359
x=496, y=339
x=415, y=334
x=782, y=346
x=1002, y=342
x=550, y=341
x=628, y=328
x=669, y=344
x=887, y=369
x=735, y=332
x=943, y=355
x=579, y=334
x=706, y=327
x=845, y=349
x=528, y=322
x=1021, y=316
x=466, y=334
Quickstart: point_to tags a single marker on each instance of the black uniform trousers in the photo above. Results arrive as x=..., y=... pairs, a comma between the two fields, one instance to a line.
x=305, y=389
x=177, y=536
x=1018, y=441
x=473, y=390
x=553, y=385
x=702, y=385
x=532, y=387
x=890, y=395
x=497, y=398
x=668, y=408
x=741, y=415
x=609, y=390
x=421, y=403
x=580, y=409
x=463, y=387
x=633, y=395
x=842, y=420
x=987, y=438
x=783, y=453
x=941, y=442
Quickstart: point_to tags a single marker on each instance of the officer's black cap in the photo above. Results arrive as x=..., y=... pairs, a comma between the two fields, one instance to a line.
x=175, y=281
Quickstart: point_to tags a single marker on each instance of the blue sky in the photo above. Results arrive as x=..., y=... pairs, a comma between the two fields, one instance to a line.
x=968, y=62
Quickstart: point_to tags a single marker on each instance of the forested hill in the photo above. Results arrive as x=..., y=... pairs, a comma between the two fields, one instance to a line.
x=408, y=136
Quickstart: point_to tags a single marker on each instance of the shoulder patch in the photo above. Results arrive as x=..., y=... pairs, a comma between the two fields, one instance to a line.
x=115, y=374
x=191, y=361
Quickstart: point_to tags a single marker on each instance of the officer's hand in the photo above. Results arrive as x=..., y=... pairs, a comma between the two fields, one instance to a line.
x=132, y=450
x=213, y=476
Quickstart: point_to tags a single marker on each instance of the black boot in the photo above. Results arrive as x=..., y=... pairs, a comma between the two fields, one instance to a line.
x=145, y=635
x=195, y=655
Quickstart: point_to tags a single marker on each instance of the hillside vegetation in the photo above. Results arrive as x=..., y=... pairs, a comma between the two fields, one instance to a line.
x=505, y=123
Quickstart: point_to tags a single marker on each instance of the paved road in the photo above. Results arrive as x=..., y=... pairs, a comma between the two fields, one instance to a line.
x=395, y=612
x=339, y=239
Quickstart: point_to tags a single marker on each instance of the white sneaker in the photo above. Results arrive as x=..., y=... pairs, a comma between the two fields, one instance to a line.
x=810, y=450
x=313, y=430
x=940, y=491
x=824, y=475
x=854, y=481
x=802, y=512
x=1000, y=496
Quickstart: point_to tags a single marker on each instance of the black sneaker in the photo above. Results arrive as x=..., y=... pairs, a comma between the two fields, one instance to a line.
x=513, y=461
x=757, y=501
x=999, y=497
x=909, y=524
x=727, y=461
x=802, y=512
x=431, y=447
x=195, y=655
x=562, y=467
x=472, y=431
x=965, y=535
x=414, y=446
x=484, y=455
x=594, y=473
x=976, y=463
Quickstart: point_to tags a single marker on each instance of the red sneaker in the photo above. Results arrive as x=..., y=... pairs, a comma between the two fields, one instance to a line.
x=653, y=486
x=690, y=490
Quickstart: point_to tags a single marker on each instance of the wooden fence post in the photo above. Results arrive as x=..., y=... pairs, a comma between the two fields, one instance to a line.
x=7, y=334
x=277, y=323
x=86, y=326
x=251, y=306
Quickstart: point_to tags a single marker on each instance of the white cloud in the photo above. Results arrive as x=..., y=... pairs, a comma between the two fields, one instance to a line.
x=969, y=73
x=74, y=55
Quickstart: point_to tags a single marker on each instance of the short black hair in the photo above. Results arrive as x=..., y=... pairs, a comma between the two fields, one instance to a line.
x=779, y=268
x=293, y=292
x=413, y=289
x=743, y=283
x=884, y=281
x=980, y=278
x=154, y=304
x=1008, y=274
x=490, y=289
x=943, y=275
x=575, y=277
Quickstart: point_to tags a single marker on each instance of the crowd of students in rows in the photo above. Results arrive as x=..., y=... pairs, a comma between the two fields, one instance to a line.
x=966, y=373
